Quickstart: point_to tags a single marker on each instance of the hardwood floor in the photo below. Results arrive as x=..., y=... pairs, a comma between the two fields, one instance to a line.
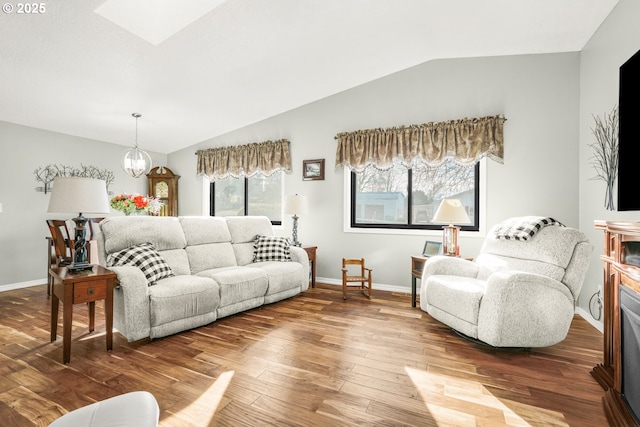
x=312, y=360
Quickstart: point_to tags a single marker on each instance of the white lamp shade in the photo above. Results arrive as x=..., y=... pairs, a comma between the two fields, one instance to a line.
x=296, y=204
x=451, y=211
x=79, y=195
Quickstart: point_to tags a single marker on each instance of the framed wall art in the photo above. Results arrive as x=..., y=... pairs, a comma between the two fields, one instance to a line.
x=313, y=170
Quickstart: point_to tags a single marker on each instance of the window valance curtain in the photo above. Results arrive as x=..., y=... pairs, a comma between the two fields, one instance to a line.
x=244, y=160
x=465, y=141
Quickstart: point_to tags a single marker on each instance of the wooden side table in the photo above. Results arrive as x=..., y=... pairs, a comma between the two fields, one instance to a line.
x=311, y=252
x=80, y=287
x=417, y=264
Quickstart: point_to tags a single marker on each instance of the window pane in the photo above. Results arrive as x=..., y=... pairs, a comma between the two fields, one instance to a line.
x=265, y=196
x=381, y=196
x=229, y=197
x=447, y=181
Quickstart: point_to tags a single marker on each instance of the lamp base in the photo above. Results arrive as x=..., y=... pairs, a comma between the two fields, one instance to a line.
x=79, y=266
x=450, y=240
x=294, y=234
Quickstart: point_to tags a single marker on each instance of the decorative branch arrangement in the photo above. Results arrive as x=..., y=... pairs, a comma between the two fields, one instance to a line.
x=47, y=174
x=605, y=153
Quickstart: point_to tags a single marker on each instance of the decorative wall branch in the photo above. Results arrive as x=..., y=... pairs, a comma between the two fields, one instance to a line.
x=48, y=173
x=605, y=153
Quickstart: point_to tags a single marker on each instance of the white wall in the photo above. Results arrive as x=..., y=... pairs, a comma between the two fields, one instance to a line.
x=23, y=229
x=538, y=94
x=617, y=39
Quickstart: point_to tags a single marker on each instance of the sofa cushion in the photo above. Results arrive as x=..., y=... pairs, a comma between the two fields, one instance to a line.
x=146, y=258
x=182, y=297
x=121, y=232
x=270, y=248
x=458, y=296
x=212, y=255
x=244, y=229
x=200, y=230
x=238, y=283
x=282, y=275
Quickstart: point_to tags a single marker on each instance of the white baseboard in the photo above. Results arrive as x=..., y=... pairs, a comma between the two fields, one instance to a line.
x=586, y=316
x=21, y=285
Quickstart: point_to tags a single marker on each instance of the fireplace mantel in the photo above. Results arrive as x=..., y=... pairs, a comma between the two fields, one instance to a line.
x=616, y=273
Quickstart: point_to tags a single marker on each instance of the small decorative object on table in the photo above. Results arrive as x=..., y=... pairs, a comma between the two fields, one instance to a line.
x=133, y=204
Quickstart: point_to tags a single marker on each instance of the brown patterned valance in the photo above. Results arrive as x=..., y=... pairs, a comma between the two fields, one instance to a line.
x=244, y=160
x=465, y=141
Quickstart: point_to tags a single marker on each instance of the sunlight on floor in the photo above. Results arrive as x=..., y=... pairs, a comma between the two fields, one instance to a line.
x=205, y=406
x=440, y=394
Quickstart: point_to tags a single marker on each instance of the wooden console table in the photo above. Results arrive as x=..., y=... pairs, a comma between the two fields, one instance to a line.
x=73, y=288
x=616, y=273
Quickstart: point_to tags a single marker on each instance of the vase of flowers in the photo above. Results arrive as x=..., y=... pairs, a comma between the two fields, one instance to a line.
x=134, y=204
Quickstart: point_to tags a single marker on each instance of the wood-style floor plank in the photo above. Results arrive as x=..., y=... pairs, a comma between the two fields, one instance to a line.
x=312, y=360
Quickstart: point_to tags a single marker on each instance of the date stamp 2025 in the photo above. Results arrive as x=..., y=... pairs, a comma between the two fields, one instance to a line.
x=24, y=8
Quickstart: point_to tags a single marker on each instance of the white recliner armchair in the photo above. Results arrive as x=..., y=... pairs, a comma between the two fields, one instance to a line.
x=520, y=291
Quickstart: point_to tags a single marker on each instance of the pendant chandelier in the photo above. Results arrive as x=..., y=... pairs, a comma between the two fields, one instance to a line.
x=136, y=162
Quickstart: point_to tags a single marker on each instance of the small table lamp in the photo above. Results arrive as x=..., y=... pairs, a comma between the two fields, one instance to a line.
x=83, y=195
x=451, y=211
x=295, y=204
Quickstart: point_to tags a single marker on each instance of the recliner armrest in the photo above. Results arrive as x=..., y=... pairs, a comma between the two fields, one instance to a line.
x=453, y=266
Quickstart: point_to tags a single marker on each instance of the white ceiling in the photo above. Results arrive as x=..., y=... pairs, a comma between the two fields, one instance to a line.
x=73, y=71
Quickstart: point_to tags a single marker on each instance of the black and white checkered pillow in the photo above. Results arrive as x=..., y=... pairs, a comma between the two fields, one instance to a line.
x=523, y=228
x=268, y=248
x=146, y=258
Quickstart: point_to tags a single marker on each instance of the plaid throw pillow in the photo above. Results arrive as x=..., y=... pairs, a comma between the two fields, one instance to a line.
x=146, y=258
x=268, y=248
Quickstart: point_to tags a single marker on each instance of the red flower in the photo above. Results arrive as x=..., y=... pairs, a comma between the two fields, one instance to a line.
x=140, y=201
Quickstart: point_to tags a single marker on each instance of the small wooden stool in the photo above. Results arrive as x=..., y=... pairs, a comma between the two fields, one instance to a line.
x=364, y=279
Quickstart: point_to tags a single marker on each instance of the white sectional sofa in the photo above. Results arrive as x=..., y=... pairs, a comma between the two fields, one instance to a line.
x=211, y=270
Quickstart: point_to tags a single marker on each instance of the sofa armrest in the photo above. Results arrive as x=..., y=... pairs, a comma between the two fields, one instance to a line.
x=131, y=303
x=451, y=266
x=522, y=309
x=299, y=255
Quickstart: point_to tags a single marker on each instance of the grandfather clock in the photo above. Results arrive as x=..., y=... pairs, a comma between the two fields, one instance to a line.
x=163, y=184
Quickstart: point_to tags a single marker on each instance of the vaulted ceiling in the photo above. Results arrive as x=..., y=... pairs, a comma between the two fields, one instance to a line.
x=75, y=71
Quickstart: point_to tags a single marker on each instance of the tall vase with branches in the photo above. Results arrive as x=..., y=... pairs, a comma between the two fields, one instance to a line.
x=605, y=153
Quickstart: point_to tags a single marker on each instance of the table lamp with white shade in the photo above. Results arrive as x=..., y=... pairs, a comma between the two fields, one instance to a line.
x=82, y=195
x=451, y=211
x=295, y=204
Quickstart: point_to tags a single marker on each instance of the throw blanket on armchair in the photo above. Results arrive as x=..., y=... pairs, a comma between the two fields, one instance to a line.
x=523, y=228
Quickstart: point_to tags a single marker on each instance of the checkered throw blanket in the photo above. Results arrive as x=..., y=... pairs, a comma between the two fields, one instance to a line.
x=523, y=228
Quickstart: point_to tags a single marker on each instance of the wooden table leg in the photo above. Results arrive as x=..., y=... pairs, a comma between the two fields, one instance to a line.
x=108, y=309
x=67, y=320
x=54, y=317
x=413, y=291
x=313, y=273
x=92, y=315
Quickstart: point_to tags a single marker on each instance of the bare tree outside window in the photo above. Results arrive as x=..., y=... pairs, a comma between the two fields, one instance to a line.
x=382, y=196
